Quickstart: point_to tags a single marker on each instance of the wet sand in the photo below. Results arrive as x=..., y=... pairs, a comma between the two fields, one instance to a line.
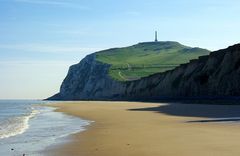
x=151, y=129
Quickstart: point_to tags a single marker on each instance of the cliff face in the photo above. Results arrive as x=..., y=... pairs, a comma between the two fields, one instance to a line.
x=215, y=75
x=88, y=80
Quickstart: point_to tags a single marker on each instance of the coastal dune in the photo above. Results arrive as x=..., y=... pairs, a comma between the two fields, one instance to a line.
x=150, y=129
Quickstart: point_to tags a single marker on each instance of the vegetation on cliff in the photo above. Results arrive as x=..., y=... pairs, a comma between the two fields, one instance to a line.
x=144, y=59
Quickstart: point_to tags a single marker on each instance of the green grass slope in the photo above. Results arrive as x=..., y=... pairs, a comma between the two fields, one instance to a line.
x=144, y=59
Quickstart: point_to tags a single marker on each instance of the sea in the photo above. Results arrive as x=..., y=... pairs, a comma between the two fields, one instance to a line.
x=30, y=127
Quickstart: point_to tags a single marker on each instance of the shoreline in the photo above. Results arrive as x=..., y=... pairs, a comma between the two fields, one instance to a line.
x=145, y=129
x=37, y=128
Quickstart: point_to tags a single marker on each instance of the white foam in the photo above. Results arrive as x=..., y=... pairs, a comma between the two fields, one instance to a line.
x=15, y=125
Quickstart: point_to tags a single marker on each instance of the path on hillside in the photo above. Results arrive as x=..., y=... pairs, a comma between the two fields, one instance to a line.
x=129, y=67
x=120, y=74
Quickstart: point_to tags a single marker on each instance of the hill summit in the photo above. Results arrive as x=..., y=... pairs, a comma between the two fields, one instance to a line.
x=147, y=58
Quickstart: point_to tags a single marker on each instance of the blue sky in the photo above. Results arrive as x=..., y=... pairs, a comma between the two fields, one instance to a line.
x=40, y=39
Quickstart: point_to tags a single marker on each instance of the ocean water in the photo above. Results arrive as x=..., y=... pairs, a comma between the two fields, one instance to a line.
x=29, y=127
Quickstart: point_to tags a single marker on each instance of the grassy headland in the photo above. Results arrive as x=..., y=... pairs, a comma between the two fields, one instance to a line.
x=144, y=59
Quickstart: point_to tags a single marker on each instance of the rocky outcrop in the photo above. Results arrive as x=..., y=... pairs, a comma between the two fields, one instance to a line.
x=215, y=75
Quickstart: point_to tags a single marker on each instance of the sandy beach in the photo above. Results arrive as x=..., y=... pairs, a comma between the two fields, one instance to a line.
x=151, y=129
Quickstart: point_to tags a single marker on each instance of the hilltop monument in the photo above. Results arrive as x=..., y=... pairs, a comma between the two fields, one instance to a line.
x=156, y=36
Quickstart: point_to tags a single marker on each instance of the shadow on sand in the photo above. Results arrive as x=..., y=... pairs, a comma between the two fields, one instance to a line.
x=215, y=113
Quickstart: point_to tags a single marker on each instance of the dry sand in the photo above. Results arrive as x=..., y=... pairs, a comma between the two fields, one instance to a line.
x=148, y=129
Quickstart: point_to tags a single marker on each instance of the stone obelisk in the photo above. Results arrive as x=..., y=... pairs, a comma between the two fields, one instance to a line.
x=156, y=36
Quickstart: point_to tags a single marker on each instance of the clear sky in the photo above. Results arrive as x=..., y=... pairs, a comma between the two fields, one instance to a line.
x=40, y=39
